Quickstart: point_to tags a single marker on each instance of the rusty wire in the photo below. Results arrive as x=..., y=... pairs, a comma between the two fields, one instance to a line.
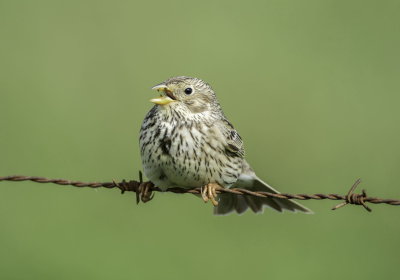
x=144, y=191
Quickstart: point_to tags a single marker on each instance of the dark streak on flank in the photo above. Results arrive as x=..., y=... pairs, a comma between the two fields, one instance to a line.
x=165, y=145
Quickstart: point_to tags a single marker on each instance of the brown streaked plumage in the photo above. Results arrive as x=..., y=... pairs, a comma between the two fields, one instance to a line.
x=186, y=141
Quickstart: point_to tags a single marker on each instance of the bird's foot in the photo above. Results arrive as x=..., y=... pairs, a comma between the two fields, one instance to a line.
x=144, y=192
x=209, y=192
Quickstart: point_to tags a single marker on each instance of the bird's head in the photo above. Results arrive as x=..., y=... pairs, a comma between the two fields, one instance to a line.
x=186, y=93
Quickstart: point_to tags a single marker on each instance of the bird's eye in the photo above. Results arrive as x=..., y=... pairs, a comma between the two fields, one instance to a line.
x=188, y=90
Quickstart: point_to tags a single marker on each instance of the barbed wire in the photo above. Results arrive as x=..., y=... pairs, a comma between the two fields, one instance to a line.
x=144, y=191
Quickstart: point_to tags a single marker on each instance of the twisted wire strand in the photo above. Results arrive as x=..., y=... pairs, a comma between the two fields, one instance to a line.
x=143, y=191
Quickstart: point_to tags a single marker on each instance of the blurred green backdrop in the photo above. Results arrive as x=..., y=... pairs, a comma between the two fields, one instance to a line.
x=312, y=86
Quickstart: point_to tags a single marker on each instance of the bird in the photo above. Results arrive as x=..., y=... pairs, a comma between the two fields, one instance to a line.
x=186, y=141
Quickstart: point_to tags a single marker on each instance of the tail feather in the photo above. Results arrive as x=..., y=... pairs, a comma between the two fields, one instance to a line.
x=240, y=204
x=256, y=207
x=230, y=202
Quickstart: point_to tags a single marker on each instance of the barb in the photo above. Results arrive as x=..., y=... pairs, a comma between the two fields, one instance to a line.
x=354, y=198
x=144, y=191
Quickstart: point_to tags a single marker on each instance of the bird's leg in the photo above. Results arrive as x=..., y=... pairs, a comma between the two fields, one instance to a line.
x=209, y=192
x=144, y=192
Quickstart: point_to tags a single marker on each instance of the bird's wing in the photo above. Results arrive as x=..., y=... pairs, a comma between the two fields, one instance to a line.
x=234, y=143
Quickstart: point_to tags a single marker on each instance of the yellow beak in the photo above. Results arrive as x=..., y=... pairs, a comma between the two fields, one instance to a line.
x=162, y=100
x=165, y=99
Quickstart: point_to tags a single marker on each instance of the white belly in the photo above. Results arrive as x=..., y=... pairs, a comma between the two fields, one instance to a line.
x=186, y=156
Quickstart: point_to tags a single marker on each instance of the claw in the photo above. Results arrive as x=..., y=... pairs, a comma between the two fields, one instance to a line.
x=144, y=192
x=209, y=192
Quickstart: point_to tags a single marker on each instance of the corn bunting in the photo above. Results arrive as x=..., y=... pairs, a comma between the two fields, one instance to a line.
x=186, y=141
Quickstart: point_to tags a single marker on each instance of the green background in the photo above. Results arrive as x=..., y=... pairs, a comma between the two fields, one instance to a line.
x=312, y=86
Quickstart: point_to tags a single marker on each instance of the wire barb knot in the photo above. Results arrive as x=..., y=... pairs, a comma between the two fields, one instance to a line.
x=143, y=190
x=354, y=198
x=126, y=186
